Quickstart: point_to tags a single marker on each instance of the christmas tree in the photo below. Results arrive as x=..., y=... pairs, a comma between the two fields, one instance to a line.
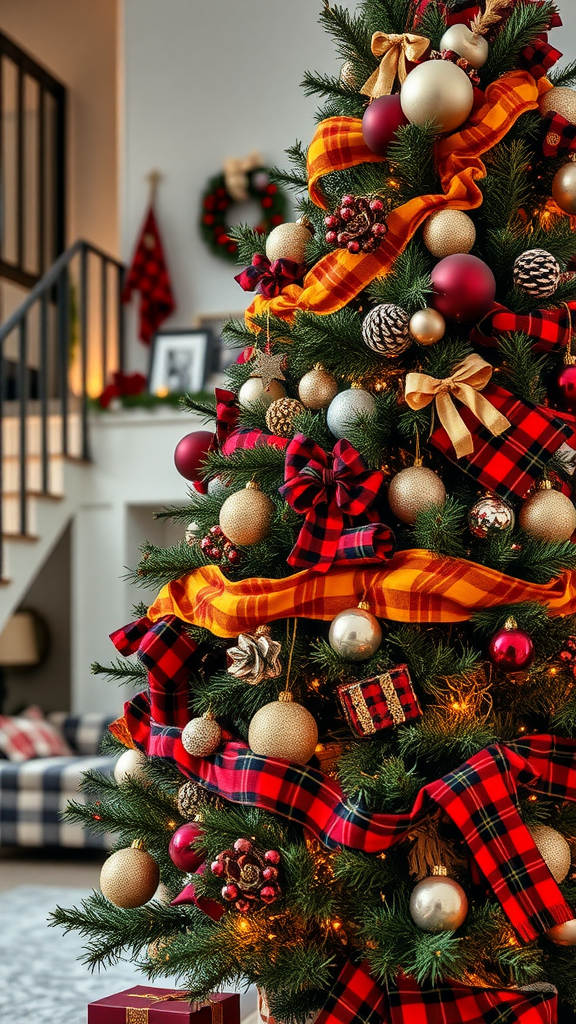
x=352, y=763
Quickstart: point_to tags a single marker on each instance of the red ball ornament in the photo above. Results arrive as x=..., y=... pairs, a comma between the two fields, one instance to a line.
x=464, y=288
x=381, y=120
x=511, y=649
x=183, y=853
x=566, y=387
x=191, y=451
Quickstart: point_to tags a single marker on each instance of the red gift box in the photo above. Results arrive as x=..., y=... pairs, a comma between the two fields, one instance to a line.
x=145, y=1005
x=380, y=702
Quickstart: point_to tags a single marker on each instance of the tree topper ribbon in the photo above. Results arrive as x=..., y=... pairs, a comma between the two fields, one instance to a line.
x=325, y=488
x=396, y=51
x=268, y=278
x=468, y=378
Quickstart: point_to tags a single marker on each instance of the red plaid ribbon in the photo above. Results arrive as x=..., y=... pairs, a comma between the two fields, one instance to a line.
x=538, y=57
x=325, y=488
x=549, y=329
x=168, y=653
x=230, y=436
x=356, y=998
x=511, y=463
x=480, y=798
x=268, y=278
x=558, y=135
x=148, y=275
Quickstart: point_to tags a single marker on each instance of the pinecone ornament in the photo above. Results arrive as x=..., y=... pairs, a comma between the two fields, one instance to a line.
x=192, y=798
x=537, y=272
x=218, y=548
x=386, y=329
x=358, y=224
x=255, y=657
x=248, y=875
x=281, y=416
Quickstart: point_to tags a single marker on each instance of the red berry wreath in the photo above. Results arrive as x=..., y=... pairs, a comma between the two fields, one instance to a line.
x=216, y=204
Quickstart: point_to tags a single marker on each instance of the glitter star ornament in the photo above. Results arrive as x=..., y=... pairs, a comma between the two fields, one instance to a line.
x=255, y=657
x=269, y=367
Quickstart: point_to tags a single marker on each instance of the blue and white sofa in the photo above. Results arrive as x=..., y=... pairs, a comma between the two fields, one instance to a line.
x=33, y=793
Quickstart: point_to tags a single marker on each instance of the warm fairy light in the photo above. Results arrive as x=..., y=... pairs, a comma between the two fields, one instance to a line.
x=336, y=925
x=522, y=728
x=243, y=925
x=532, y=799
x=272, y=935
x=553, y=671
x=171, y=825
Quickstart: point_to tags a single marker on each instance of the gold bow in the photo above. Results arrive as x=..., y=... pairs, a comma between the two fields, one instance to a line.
x=395, y=51
x=469, y=377
x=236, y=170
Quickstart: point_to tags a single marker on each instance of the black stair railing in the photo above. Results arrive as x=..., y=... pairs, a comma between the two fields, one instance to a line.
x=56, y=350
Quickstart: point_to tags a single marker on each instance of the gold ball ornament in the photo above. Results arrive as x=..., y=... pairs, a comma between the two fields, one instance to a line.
x=129, y=878
x=288, y=242
x=548, y=515
x=281, y=416
x=317, y=388
x=553, y=849
x=130, y=765
x=284, y=729
x=563, y=934
x=414, y=489
x=246, y=515
x=448, y=232
x=559, y=101
x=427, y=326
x=437, y=91
x=201, y=736
x=470, y=45
x=355, y=634
x=564, y=188
x=253, y=393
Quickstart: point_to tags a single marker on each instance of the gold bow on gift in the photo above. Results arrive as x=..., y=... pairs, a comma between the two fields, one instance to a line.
x=236, y=170
x=396, y=52
x=469, y=377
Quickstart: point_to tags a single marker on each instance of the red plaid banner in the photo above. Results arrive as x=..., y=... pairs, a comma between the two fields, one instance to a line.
x=549, y=329
x=480, y=798
x=511, y=463
x=248, y=438
x=148, y=275
x=558, y=135
x=325, y=489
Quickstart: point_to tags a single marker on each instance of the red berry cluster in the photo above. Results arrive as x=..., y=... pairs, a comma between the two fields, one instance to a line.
x=249, y=875
x=358, y=224
x=217, y=202
x=216, y=546
x=460, y=62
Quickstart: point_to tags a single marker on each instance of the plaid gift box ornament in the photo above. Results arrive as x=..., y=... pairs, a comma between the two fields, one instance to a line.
x=381, y=702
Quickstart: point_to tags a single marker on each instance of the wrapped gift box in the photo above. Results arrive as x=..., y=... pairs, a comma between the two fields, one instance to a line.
x=144, y=1005
x=380, y=702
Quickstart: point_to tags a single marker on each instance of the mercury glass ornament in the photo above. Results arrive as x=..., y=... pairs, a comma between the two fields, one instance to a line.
x=284, y=729
x=439, y=92
x=548, y=514
x=490, y=514
x=253, y=393
x=427, y=326
x=553, y=849
x=414, y=489
x=438, y=903
x=564, y=188
x=467, y=44
x=355, y=634
x=563, y=934
x=201, y=736
x=345, y=409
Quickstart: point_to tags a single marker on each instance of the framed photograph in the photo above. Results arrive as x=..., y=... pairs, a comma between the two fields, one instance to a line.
x=222, y=355
x=178, y=361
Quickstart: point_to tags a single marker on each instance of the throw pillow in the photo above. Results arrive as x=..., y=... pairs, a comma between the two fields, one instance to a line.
x=23, y=738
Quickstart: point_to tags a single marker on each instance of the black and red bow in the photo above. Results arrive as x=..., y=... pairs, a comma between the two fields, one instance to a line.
x=268, y=278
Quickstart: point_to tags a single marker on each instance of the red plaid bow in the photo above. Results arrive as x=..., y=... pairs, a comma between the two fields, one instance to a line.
x=325, y=488
x=268, y=278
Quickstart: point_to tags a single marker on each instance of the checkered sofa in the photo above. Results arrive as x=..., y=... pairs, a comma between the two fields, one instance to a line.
x=33, y=793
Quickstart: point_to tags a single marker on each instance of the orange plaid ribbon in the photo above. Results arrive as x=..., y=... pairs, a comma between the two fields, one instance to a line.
x=338, y=144
x=415, y=586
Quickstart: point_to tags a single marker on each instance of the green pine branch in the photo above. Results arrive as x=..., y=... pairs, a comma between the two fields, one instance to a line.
x=439, y=528
x=249, y=241
x=525, y=22
x=121, y=671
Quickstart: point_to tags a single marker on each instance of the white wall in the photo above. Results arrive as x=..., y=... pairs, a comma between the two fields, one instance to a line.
x=205, y=79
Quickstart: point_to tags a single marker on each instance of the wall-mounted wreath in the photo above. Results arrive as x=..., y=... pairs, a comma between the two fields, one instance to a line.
x=238, y=183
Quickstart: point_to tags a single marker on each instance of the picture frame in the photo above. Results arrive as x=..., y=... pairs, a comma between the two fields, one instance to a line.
x=178, y=360
x=222, y=355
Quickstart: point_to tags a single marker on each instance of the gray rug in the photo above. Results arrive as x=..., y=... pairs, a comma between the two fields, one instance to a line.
x=41, y=979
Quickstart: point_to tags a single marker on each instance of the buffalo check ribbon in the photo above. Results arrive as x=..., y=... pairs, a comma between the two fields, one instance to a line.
x=325, y=489
x=338, y=145
x=549, y=329
x=230, y=435
x=480, y=798
x=268, y=278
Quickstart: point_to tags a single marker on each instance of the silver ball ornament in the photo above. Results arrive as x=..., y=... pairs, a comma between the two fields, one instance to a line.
x=438, y=904
x=201, y=736
x=467, y=44
x=564, y=188
x=563, y=934
x=253, y=393
x=355, y=634
x=412, y=490
x=427, y=326
x=345, y=409
x=437, y=91
x=489, y=515
x=130, y=765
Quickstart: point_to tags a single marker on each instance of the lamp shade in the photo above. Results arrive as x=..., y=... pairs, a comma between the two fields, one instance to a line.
x=19, y=641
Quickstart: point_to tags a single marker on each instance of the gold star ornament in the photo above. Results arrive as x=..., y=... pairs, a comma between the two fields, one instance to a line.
x=269, y=367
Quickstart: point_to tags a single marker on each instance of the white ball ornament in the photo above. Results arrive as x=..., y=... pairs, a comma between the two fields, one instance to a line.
x=345, y=409
x=439, y=92
x=130, y=765
x=473, y=47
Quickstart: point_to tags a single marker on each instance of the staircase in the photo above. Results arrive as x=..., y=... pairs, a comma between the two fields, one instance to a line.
x=58, y=348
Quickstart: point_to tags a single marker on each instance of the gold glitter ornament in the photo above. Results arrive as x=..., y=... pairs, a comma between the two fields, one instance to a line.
x=284, y=729
x=246, y=515
x=253, y=393
x=268, y=367
x=427, y=326
x=317, y=388
x=560, y=100
x=448, y=232
x=553, y=849
x=414, y=489
x=288, y=242
x=548, y=514
x=281, y=415
x=564, y=188
x=129, y=878
x=201, y=736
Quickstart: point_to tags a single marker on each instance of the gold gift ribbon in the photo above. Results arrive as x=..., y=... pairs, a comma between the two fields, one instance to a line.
x=392, y=699
x=469, y=377
x=396, y=51
x=140, y=1015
